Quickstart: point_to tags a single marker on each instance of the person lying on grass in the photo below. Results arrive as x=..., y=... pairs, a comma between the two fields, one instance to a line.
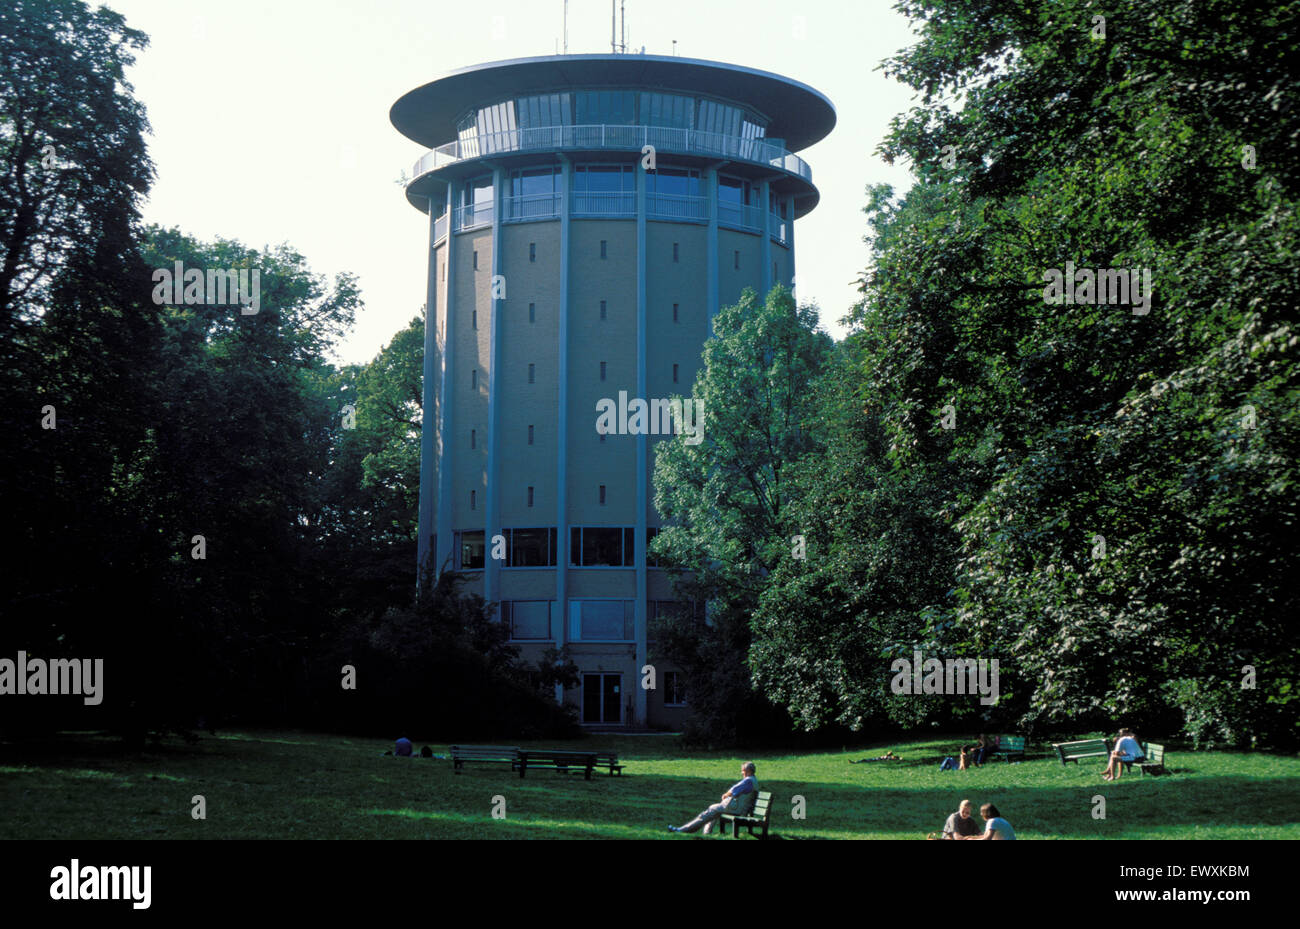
x=887, y=756
x=995, y=827
x=1126, y=750
x=739, y=799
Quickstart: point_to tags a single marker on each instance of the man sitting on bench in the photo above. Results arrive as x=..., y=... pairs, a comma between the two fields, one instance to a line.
x=1126, y=751
x=734, y=800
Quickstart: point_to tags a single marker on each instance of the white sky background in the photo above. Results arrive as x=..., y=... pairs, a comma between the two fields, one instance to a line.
x=270, y=118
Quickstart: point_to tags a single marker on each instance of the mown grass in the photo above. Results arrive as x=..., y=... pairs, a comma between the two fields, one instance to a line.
x=304, y=785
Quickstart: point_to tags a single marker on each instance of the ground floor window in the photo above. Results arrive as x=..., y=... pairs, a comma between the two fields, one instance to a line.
x=528, y=619
x=674, y=688
x=601, y=698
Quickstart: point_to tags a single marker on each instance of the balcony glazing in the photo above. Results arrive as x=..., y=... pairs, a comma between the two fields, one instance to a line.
x=761, y=151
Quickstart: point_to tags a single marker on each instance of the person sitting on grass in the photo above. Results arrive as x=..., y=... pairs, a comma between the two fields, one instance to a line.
x=1126, y=751
x=739, y=799
x=995, y=827
x=961, y=823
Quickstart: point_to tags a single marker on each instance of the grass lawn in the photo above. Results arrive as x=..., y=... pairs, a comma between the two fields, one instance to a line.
x=310, y=786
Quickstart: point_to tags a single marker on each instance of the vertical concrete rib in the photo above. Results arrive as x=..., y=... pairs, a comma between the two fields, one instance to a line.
x=562, y=431
x=711, y=244
x=428, y=426
x=447, y=391
x=497, y=285
x=642, y=478
x=765, y=197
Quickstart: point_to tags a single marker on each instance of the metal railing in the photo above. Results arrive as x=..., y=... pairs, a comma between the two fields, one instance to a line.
x=473, y=216
x=440, y=228
x=590, y=138
x=604, y=203
x=531, y=206
x=673, y=206
x=740, y=216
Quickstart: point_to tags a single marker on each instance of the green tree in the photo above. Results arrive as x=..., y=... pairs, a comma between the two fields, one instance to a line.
x=725, y=501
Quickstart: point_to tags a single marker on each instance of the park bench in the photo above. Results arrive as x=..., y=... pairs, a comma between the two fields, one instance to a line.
x=609, y=760
x=1084, y=748
x=559, y=761
x=488, y=754
x=755, y=818
x=1153, y=759
x=1010, y=746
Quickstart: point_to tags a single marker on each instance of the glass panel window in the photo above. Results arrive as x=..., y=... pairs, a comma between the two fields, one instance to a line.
x=604, y=107
x=528, y=619
x=470, y=550
x=602, y=547
x=534, y=182
x=530, y=548
x=674, y=182
x=601, y=620
x=604, y=179
x=674, y=688
x=669, y=110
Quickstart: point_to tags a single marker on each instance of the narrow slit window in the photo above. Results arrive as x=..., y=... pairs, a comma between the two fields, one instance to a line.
x=603, y=252
x=602, y=494
x=532, y=373
x=675, y=308
x=602, y=309
x=532, y=251
x=532, y=312
x=602, y=370
x=530, y=435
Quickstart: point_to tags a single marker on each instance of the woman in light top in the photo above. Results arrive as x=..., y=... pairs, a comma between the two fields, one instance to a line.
x=1126, y=750
x=995, y=827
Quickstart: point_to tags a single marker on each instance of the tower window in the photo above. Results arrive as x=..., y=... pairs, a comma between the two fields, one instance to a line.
x=736, y=261
x=602, y=309
x=475, y=260
x=603, y=253
x=675, y=306
x=602, y=494
x=674, y=374
x=532, y=312
x=473, y=319
x=532, y=372
x=530, y=490
x=473, y=379
x=532, y=251
x=602, y=370
x=473, y=499
x=473, y=438
x=675, y=252
x=530, y=435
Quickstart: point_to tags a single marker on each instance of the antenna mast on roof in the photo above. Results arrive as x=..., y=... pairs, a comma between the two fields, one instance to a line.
x=622, y=19
x=566, y=27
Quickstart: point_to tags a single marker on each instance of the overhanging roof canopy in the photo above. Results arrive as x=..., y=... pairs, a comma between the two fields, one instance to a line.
x=799, y=114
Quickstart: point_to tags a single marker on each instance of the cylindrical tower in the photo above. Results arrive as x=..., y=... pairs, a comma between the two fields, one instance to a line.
x=588, y=215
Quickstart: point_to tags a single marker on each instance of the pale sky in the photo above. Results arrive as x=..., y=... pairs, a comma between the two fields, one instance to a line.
x=270, y=118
